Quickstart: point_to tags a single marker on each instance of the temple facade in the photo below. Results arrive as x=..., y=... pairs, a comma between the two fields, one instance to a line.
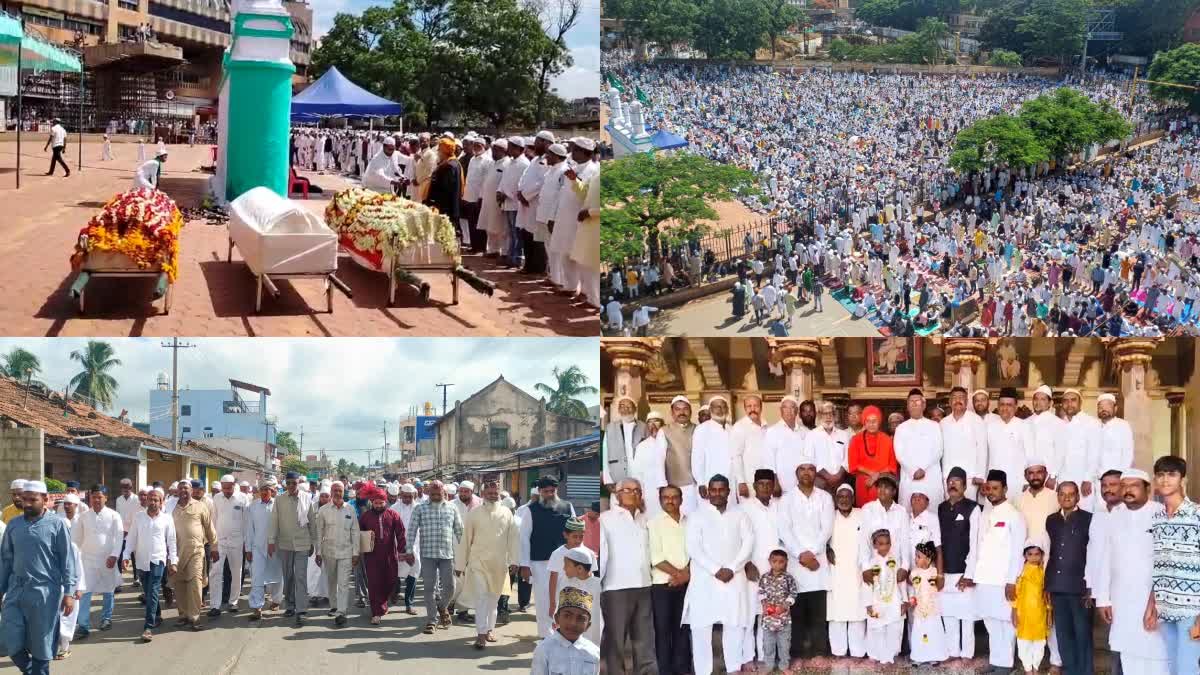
x=1155, y=379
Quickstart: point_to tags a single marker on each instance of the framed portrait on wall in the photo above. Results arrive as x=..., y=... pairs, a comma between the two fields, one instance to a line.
x=893, y=362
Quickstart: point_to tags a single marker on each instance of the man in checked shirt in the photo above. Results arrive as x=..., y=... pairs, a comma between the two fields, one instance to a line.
x=437, y=526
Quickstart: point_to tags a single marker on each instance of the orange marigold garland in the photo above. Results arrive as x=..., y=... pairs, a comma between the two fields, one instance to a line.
x=142, y=225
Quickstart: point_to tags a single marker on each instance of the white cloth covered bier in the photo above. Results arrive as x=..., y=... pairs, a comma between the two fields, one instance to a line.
x=277, y=236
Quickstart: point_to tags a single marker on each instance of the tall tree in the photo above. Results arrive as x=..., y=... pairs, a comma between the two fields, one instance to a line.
x=94, y=383
x=558, y=17
x=1068, y=121
x=782, y=16
x=1055, y=28
x=20, y=364
x=568, y=385
x=651, y=195
x=285, y=440
x=1179, y=66
x=731, y=29
x=1001, y=139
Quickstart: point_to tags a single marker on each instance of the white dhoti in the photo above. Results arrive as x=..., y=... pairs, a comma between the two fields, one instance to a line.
x=216, y=575
x=266, y=576
x=540, y=579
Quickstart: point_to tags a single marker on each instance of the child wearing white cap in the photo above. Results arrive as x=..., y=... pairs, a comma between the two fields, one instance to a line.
x=578, y=564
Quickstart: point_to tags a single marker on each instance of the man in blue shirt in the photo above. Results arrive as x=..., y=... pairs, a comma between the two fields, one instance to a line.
x=36, y=584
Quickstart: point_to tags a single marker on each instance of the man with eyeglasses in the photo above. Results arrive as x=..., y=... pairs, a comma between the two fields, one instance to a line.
x=625, y=597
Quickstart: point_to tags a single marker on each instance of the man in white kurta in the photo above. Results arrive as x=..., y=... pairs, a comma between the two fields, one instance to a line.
x=762, y=510
x=784, y=446
x=1079, y=445
x=846, y=607
x=1045, y=429
x=1116, y=436
x=712, y=448
x=806, y=523
x=827, y=445
x=407, y=572
x=485, y=556
x=1001, y=545
x=964, y=442
x=1123, y=578
x=746, y=445
x=266, y=570
x=382, y=173
x=648, y=463
x=1009, y=441
x=229, y=518
x=99, y=534
x=918, y=445
x=491, y=219
x=719, y=591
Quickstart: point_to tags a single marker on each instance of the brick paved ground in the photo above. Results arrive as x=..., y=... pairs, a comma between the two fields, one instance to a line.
x=41, y=220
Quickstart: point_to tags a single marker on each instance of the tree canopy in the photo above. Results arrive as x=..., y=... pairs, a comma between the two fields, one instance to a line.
x=1001, y=139
x=651, y=195
x=1181, y=66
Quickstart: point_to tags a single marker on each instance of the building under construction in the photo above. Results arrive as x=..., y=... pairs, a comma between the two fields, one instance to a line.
x=151, y=67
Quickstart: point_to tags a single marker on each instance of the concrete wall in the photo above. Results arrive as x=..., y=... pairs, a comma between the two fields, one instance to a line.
x=88, y=469
x=22, y=455
x=207, y=410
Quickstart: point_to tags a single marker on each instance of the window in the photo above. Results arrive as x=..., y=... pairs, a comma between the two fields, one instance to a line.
x=187, y=430
x=190, y=18
x=408, y=434
x=185, y=410
x=499, y=438
x=131, y=5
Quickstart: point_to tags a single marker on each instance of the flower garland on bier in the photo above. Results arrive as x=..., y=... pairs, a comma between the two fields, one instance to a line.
x=142, y=224
x=381, y=226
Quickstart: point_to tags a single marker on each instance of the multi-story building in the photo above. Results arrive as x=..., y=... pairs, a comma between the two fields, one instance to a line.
x=233, y=419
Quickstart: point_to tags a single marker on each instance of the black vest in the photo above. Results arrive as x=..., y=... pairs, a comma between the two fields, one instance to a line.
x=956, y=533
x=546, y=534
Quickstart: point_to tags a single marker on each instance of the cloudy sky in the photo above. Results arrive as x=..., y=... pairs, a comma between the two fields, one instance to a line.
x=340, y=390
x=582, y=79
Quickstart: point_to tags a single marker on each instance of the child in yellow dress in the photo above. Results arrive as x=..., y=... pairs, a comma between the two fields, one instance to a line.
x=1031, y=612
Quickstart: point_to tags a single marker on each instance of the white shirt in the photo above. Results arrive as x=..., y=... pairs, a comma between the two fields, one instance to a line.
x=783, y=450
x=717, y=540
x=1116, y=445
x=152, y=540
x=98, y=535
x=625, y=533
x=1079, y=450
x=127, y=507
x=476, y=171
x=1008, y=446
x=380, y=173
x=964, y=444
x=229, y=518
x=556, y=656
x=925, y=527
x=806, y=523
x=896, y=521
x=146, y=175
x=1046, y=431
x=746, y=444
x=58, y=136
x=828, y=448
x=764, y=520
x=1124, y=578
x=711, y=452
x=918, y=445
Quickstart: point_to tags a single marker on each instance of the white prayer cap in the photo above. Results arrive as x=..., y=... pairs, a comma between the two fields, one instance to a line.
x=466, y=484
x=1044, y=390
x=35, y=486
x=244, y=483
x=390, y=141
x=325, y=490
x=718, y=398
x=337, y=483
x=144, y=489
x=704, y=407
x=654, y=415
x=787, y=399
x=558, y=149
x=451, y=487
x=268, y=482
x=326, y=483
x=408, y=489
x=844, y=486
x=448, y=134
x=1135, y=473
x=581, y=555
x=752, y=394
x=585, y=143
x=1106, y=397
x=160, y=492
x=18, y=484
x=393, y=490
x=981, y=391
x=545, y=135
x=516, y=140
x=681, y=399
x=500, y=143
x=1035, y=461
x=533, y=490
x=1072, y=390
x=72, y=499
x=228, y=479
x=1038, y=541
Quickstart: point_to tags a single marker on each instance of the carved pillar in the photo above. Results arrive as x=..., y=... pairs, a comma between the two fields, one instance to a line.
x=800, y=358
x=630, y=358
x=964, y=356
x=1131, y=356
x=1175, y=401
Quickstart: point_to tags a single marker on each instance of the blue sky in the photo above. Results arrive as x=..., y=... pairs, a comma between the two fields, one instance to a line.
x=582, y=79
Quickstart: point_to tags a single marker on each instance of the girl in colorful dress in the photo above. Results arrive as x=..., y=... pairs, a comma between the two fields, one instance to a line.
x=927, y=642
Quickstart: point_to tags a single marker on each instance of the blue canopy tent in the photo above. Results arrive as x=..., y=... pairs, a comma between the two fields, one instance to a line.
x=665, y=140
x=333, y=94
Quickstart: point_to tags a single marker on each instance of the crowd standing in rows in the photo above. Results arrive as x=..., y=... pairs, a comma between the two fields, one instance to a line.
x=808, y=541
x=854, y=169
x=531, y=202
x=302, y=546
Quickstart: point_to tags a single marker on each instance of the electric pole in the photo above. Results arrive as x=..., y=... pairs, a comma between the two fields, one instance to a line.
x=445, y=388
x=385, y=446
x=301, y=440
x=174, y=346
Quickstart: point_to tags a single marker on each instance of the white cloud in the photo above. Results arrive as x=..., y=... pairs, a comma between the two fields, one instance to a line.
x=340, y=390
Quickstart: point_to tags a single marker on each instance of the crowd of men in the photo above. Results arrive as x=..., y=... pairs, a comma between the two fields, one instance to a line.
x=855, y=166
x=805, y=540
x=531, y=202
x=301, y=545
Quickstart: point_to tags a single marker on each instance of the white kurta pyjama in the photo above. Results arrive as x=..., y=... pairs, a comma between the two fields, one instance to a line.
x=1123, y=582
x=918, y=446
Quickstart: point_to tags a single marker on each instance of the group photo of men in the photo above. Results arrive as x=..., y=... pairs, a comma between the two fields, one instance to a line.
x=951, y=525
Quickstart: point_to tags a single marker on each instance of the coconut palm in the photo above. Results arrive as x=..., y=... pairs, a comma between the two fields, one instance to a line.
x=571, y=383
x=93, y=384
x=20, y=364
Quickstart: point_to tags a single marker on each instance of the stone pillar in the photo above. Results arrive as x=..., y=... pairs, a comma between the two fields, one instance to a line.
x=1132, y=359
x=964, y=356
x=800, y=358
x=1175, y=401
x=630, y=358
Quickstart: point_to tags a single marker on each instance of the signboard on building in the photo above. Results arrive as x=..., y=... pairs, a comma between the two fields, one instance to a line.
x=427, y=428
x=313, y=477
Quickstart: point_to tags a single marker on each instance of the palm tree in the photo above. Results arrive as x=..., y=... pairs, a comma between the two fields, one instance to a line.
x=93, y=383
x=571, y=383
x=20, y=364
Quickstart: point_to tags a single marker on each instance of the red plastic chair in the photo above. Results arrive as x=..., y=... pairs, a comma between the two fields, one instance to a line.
x=297, y=183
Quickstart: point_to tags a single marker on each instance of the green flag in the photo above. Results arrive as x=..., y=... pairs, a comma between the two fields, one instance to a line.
x=615, y=83
x=641, y=96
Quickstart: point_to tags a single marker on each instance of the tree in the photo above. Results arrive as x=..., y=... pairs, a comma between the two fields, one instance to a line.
x=569, y=384
x=294, y=464
x=878, y=12
x=1151, y=26
x=1001, y=139
x=1181, y=66
x=343, y=467
x=651, y=195
x=1000, y=30
x=731, y=29
x=668, y=21
x=93, y=383
x=559, y=17
x=1005, y=58
x=285, y=440
x=840, y=50
x=782, y=15
x=1068, y=121
x=1055, y=28
x=20, y=364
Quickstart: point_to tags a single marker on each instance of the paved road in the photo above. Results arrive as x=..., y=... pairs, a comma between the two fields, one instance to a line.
x=711, y=316
x=230, y=645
